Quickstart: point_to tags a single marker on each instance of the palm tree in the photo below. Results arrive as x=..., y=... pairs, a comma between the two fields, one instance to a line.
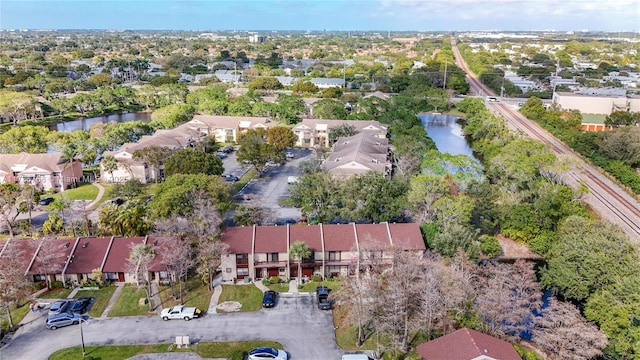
x=299, y=250
x=109, y=164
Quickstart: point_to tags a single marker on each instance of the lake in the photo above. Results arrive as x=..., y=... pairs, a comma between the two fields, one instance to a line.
x=446, y=133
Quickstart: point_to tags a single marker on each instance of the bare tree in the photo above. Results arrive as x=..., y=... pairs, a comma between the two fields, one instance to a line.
x=358, y=294
x=459, y=287
x=140, y=256
x=509, y=297
x=14, y=284
x=177, y=257
x=565, y=333
x=210, y=254
x=50, y=257
x=432, y=295
x=398, y=306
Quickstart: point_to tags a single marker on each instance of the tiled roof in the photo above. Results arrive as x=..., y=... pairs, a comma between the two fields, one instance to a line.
x=339, y=237
x=270, y=239
x=52, y=162
x=88, y=255
x=406, y=236
x=467, y=344
x=55, y=251
x=239, y=239
x=23, y=248
x=118, y=256
x=309, y=234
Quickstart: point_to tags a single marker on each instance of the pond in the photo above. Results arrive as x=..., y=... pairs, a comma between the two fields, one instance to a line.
x=85, y=124
x=446, y=133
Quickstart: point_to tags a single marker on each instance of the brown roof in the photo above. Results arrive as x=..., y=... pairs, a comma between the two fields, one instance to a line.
x=467, y=344
x=271, y=239
x=118, y=256
x=56, y=250
x=51, y=162
x=373, y=236
x=24, y=248
x=309, y=234
x=156, y=264
x=88, y=255
x=239, y=239
x=339, y=237
x=407, y=236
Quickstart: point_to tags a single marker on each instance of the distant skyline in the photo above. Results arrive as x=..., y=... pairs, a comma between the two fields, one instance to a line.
x=330, y=15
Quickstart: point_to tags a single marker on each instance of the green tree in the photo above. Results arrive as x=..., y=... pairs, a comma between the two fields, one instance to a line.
x=280, y=137
x=174, y=195
x=299, y=251
x=588, y=256
x=153, y=155
x=255, y=150
x=140, y=256
x=172, y=115
x=305, y=87
x=129, y=219
x=329, y=109
x=268, y=83
x=109, y=164
x=127, y=190
x=9, y=200
x=344, y=130
x=193, y=161
x=622, y=118
x=30, y=139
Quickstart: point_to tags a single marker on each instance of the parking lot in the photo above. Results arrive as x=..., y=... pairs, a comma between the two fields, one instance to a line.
x=305, y=331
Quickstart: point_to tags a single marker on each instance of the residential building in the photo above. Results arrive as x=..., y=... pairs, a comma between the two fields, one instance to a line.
x=43, y=171
x=357, y=155
x=467, y=344
x=337, y=249
x=227, y=129
x=314, y=133
x=325, y=83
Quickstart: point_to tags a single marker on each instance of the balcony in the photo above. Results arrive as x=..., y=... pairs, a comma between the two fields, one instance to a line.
x=270, y=264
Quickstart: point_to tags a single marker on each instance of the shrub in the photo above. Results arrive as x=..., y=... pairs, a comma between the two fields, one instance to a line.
x=239, y=355
x=316, y=278
x=275, y=280
x=490, y=246
x=38, y=286
x=57, y=285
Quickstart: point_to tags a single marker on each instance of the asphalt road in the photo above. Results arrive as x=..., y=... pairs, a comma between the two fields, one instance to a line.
x=304, y=331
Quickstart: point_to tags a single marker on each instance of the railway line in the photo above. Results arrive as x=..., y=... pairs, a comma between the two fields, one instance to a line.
x=605, y=197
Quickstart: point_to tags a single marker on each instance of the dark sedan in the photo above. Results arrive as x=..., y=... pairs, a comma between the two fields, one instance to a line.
x=81, y=305
x=269, y=299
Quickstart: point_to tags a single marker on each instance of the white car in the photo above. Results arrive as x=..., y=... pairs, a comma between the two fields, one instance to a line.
x=180, y=312
x=289, y=155
x=263, y=353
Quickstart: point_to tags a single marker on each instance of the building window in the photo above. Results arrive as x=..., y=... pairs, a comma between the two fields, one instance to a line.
x=242, y=259
x=334, y=255
x=243, y=272
x=39, y=277
x=111, y=276
x=272, y=257
x=281, y=270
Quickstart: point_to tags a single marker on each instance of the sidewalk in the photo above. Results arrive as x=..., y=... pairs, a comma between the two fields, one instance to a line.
x=155, y=297
x=113, y=299
x=217, y=290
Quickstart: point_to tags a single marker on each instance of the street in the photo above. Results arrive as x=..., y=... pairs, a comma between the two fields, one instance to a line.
x=304, y=331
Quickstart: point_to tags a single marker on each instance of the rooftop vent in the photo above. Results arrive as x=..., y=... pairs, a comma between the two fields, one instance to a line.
x=155, y=242
x=85, y=244
x=66, y=245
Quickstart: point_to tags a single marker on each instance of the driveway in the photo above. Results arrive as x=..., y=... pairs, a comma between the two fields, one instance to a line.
x=304, y=331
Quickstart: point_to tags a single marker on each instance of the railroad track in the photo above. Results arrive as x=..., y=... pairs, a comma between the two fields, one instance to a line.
x=605, y=197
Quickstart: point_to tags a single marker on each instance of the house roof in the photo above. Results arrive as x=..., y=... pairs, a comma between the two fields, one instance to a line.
x=269, y=239
x=309, y=234
x=24, y=249
x=32, y=163
x=373, y=236
x=359, y=125
x=467, y=344
x=406, y=236
x=51, y=256
x=239, y=239
x=339, y=237
x=358, y=154
x=88, y=255
x=118, y=255
x=228, y=122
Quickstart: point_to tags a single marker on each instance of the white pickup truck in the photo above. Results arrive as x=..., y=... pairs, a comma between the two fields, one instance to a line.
x=180, y=312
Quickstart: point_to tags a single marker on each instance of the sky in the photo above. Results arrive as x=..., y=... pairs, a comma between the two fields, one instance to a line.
x=330, y=15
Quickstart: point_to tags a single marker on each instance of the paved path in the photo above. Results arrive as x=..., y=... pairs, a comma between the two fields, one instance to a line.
x=155, y=297
x=98, y=197
x=113, y=299
x=217, y=290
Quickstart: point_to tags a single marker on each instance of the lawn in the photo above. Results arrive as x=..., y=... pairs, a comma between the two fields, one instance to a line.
x=311, y=285
x=281, y=287
x=127, y=303
x=102, y=299
x=248, y=295
x=234, y=350
x=245, y=179
x=83, y=192
x=18, y=312
x=197, y=294
x=60, y=293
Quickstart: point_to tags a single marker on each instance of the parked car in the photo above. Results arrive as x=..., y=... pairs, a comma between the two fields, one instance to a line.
x=81, y=305
x=116, y=201
x=221, y=154
x=63, y=319
x=230, y=178
x=262, y=353
x=180, y=312
x=322, y=295
x=269, y=299
x=227, y=149
x=59, y=307
x=46, y=201
x=289, y=155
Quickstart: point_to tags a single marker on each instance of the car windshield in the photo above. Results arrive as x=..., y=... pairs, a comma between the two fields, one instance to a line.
x=264, y=350
x=56, y=305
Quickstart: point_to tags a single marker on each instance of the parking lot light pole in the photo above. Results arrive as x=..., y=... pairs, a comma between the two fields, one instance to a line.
x=82, y=338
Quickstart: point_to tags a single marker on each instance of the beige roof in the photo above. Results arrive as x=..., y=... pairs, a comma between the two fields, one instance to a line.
x=229, y=121
x=359, y=125
x=358, y=154
x=32, y=163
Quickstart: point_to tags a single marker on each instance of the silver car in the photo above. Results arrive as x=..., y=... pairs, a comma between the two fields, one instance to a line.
x=64, y=319
x=59, y=307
